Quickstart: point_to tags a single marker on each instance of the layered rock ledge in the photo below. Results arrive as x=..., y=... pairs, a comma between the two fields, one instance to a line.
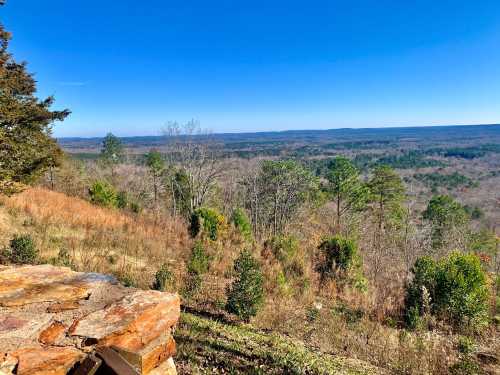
x=56, y=321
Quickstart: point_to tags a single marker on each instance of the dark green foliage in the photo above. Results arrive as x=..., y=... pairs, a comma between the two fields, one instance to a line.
x=122, y=200
x=156, y=165
x=345, y=187
x=409, y=160
x=453, y=289
x=199, y=260
x=246, y=294
x=387, y=192
x=242, y=223
x=475, y=213
x=112, y=150
x=22, y=250
x=197, y=266
x=179, y=185
x=208, y=220
x=103, y=194
x=163, y=278
x=27, y=149
x=338, y=255
x=451, y=181
x=444, y=214
x=155, y=162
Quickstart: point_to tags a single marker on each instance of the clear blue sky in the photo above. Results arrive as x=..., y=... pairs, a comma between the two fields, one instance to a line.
x=130, y=66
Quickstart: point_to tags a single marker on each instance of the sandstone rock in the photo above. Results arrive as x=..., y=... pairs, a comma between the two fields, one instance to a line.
x=22, y=325
x=52, y=334
x=154, y=354
x=45, y=283
x=39, y=303
x=46, y=361
x=133, y=322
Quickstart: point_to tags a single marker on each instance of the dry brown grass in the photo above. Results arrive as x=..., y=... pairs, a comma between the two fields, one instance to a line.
x=98, y=239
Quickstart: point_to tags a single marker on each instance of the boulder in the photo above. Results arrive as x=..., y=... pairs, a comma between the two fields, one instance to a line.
x=54, y=321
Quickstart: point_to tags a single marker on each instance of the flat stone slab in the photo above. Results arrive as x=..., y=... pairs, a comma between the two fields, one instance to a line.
x=133, y=322
x=46, y=361
x=45, y=283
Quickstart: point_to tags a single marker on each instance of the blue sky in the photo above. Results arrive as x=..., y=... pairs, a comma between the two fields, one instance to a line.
x=131, y=66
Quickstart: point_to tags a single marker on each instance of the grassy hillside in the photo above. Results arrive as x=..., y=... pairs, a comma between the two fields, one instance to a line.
x=288, y=335
x=208, y=346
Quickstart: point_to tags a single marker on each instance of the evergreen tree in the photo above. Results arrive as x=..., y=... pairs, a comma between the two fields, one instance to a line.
x=26, y=146
x=246, y=293
x=349, y=193
x=156, y=166
x=111, y=151
x=387, y=192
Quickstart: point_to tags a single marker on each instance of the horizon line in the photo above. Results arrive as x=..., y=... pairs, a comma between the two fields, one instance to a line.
x=291, y=130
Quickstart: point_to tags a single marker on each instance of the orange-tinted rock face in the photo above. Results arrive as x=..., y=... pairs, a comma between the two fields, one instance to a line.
x=154, y=354
x=46, y=361
x=44, y=283
x=133, y=322
x=39, y=303
x=52, y=333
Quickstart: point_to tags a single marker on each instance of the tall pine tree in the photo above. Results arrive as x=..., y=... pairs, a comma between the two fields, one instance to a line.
x=27, y=148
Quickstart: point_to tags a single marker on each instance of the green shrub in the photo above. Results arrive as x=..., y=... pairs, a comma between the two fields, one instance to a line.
x=197, y=266
x=312, y=313
x=199, y=260
x=339, y=255
x=103, y=194
x=208, y=220
x=246, y=294
x=122, y=200
x=284, y=248
x=22, y=250
x=163, y=278
x=242, y=223
x=456, y=287
x=466, y=345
